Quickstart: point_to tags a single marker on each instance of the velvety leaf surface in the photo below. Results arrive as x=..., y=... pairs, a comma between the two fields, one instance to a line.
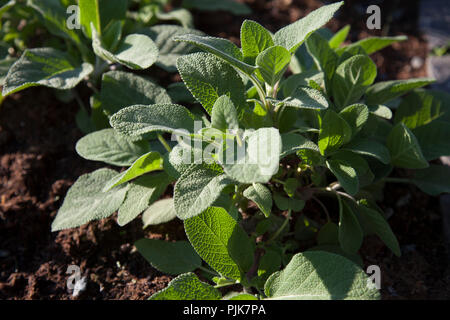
x=46, y=67
x=110, y=147
x=319, y=275
x=85, y=201
x=187, y=287
x=169, y=257
x=220, y=242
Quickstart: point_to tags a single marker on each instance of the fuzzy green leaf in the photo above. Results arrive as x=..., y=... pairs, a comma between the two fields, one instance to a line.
x=306, y=98
x=385, y=91
x=350, y=232
x=339, y=37
x=356, y=115
x=169, y=257
x=320, y=275
x=378, y=225
x=259, y=158
x=208, y=78
x=405, y=149
x=434, y=139
x=345, y=174
x=221, y=48
x=272, y=63
x=224, y=114
x=433, y=180
x=335, y=131
x=260, y=195
x=293, y=35
x=220, y=242
x=293, y=142
x=140, y=120
x=110, y=147
x=44, y=67
x=170, y=50
x=142, y=192
x=123, y=89
x=370, y=148
x=196, y=190
x=135, y=51
x=254, y=40
x=352, y=78
x=187, y=287
x=373, y=44
x=159, y=212
x=149, y=162
x=100, y=13
x=85, y=201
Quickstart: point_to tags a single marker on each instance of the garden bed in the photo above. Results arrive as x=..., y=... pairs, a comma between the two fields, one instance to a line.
x=38, y=164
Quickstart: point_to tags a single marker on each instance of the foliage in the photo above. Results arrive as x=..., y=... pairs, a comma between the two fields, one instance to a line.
x=265, y=146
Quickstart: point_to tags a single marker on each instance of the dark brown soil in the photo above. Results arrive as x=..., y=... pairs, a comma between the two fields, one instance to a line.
x=38, y=164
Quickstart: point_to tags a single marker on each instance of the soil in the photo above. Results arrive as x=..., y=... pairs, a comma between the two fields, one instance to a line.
x=38, y=164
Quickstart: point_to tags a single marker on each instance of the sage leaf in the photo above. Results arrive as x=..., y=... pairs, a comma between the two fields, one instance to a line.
x=196, y=190
x=149, y=162
x=378, y=225
x=335, y=131
x=272, y=63
x=169, y=257
x=100, y=13
x=259, y=157
x=345, y=174
x=221, y=48
x=433, y=180
x=293, y=35
x=293, y=142
x=319, y=275
x=141, y=193
x=356, y=115
x=110, y=147
x=220, y=242
x=405, y=149
x=187, y=287
x=339, y=37
x=371, y=148
x=385, y=91
x=46, y=67
x=170, y=50
x=350, y=232
x=85, y=201
x=159, y=212
x=123, y=89
x=352, y=78
x=139, y=120
x=254, y=40
x=306, y=98
x=260, y=195
x=135, y=51
x=434, y=139
x=373, y=44
x=208, y=78
x=224, y=115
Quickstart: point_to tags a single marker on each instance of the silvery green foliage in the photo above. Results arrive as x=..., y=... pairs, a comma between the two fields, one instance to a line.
x=263, y=146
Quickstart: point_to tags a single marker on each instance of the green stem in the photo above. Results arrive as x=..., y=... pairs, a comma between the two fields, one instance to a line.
x=164, y=143
x=260, y=90
x=278, y=232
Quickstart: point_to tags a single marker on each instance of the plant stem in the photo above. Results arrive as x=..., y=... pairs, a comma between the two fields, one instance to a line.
x=324, y=208
x=278, y=232
x=209, y=271
x=277, y=181
x=164, y=143
x=260, y=90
